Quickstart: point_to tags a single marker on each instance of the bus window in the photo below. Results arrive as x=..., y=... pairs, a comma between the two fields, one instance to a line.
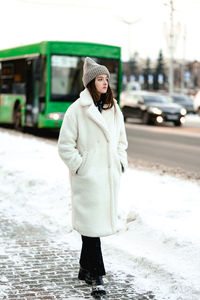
x=67, y=72
x=66, y=77
x=13, y=75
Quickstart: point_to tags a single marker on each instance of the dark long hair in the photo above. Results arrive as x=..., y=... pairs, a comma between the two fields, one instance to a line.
x=107, y=97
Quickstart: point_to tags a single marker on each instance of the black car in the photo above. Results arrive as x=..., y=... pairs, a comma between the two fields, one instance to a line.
x=151, y=108
x=184, y=101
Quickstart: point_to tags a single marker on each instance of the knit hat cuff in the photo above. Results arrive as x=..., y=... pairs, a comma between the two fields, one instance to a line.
x=93, y=72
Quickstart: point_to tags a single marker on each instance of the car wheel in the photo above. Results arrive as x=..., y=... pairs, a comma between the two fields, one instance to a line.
x=125, y=118
x=123, y=112
x=145, y=118
x=177, y=123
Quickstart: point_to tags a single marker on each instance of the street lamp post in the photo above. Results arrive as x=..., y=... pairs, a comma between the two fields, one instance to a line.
x=171, y=49
x=171, y=46
x=183, y=61
x=129, y=23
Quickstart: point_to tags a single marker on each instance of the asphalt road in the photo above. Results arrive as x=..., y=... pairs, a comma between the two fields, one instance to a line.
x=169, y=146
x=166, y=145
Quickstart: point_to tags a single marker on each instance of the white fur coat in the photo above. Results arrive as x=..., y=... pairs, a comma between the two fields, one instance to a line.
x=93, y=146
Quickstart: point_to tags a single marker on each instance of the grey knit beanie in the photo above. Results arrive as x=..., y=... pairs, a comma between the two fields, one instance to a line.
x=91, y=69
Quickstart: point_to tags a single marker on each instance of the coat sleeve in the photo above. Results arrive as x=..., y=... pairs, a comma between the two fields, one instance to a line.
x=67, y=142
x=122, y=142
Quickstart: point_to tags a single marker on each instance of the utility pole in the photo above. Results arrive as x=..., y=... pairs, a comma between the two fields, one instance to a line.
x=183, y=61
x=171, y=49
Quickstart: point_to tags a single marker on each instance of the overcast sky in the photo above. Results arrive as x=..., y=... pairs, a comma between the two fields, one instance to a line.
x=27, y=21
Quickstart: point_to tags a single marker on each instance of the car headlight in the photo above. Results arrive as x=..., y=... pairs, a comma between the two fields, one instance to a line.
x=56, y=116
x=143, y=107
x=183, y=111
x=155, y=110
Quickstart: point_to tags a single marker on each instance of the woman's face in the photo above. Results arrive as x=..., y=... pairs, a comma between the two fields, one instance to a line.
x=101, y=83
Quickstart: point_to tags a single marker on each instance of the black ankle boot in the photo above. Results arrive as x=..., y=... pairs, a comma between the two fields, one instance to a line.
x=98, y=287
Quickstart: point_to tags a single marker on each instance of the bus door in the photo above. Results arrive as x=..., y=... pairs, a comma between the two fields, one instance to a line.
x=32, y=90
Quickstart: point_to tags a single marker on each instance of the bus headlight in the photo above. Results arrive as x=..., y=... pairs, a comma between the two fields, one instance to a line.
x=56, y=116
x=183, y=111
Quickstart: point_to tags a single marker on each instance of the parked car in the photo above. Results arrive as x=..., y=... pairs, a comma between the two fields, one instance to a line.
x=184, y=101
x=151, y=108
x=197, y=102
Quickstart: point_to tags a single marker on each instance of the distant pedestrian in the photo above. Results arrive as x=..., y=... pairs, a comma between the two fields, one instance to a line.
x=92, y=143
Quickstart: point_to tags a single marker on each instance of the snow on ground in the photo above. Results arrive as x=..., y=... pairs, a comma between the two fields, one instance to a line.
x=193, y=118
x=158, y=241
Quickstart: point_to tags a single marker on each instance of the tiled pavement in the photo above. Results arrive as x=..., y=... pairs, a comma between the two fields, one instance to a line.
x=34, y=264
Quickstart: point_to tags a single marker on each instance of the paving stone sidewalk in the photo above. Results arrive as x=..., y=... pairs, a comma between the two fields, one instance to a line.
x=34, y=264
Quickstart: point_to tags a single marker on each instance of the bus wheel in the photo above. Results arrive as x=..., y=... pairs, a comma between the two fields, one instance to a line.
x=17, y=117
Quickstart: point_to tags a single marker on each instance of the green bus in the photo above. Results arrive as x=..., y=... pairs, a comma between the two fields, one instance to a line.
x=38, y=82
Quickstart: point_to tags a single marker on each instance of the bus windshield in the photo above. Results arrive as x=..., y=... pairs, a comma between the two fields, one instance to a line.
x=67, y=72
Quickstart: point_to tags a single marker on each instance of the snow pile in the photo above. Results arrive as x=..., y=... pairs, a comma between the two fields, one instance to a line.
x=34, y=180
x=159, y=216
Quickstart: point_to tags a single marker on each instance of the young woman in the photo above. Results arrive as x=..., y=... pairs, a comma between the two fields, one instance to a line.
x=92, y=143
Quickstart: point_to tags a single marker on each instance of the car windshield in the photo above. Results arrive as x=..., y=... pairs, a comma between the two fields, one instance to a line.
x=155, y=98
x=181, y=99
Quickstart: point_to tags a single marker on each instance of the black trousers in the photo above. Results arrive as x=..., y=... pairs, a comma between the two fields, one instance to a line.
x=91, y=257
